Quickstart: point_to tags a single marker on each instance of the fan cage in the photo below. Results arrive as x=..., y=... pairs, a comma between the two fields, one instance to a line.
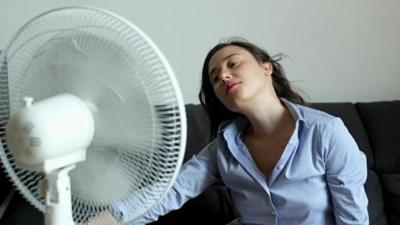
x=136, y=167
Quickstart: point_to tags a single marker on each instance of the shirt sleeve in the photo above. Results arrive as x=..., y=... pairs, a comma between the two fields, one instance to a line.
x=346, y=173
x=195, y=176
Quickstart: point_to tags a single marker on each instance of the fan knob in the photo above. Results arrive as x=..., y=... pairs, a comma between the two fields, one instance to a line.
x=28, y=101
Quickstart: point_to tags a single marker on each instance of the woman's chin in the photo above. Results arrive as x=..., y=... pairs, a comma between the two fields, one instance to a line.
x=235, y=103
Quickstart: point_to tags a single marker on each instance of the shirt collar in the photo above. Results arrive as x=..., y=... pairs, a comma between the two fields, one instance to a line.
x=293, y=109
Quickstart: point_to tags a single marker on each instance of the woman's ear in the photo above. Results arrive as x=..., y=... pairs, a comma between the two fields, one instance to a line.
x=268, y=68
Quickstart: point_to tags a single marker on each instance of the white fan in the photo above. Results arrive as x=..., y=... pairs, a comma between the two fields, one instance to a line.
x=84, y=88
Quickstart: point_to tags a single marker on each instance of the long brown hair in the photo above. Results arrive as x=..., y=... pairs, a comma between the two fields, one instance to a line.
x=215, y=110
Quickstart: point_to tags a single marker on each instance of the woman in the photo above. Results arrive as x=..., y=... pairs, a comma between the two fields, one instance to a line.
x=283, y=162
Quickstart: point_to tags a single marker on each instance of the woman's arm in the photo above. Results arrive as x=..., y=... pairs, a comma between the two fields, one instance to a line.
x=346, y=173
x=195, y=176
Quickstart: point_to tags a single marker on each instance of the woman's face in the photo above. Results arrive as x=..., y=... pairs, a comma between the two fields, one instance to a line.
x=237, y=77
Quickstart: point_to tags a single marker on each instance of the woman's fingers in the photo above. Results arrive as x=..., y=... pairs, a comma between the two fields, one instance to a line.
x=103, y=218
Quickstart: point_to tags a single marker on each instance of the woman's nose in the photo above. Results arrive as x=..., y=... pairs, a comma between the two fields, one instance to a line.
x=225, y=76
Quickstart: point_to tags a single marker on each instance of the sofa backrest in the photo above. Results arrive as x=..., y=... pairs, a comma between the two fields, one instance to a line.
x=382, y=123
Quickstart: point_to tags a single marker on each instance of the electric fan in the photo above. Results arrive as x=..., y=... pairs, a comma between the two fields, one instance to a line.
x=91, y=116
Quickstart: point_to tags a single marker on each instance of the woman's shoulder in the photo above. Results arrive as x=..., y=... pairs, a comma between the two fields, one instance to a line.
x=235, y=123
x=315, y=117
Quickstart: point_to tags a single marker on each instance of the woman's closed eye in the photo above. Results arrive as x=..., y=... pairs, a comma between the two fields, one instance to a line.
x=233, y=63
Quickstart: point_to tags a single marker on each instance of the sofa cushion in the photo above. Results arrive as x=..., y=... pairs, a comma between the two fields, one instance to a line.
x=198, y=130
x=382, y=122
x=5, y=184
x=373, y=188
x=20, y=212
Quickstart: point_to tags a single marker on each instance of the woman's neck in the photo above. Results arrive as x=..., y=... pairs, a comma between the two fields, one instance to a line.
x=268, y=118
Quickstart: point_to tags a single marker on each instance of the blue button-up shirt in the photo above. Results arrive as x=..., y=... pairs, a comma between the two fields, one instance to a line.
x=319, y=178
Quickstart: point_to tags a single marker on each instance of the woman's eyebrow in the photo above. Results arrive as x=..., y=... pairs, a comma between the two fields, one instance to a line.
x=224, y=59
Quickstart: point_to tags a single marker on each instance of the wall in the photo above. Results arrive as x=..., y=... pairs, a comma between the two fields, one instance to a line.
x=338, y=50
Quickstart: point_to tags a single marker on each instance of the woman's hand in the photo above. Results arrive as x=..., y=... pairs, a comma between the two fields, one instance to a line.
x=103, y=218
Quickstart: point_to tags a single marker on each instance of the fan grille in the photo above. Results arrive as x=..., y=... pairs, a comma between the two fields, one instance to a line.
x=139, y=116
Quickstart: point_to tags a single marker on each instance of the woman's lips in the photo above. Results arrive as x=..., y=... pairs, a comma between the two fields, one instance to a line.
x=230, y=85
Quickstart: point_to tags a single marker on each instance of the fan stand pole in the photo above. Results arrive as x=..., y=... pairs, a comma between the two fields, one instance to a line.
x=58, y=197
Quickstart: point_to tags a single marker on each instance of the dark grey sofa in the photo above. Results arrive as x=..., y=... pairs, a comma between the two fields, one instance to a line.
x=374, y=125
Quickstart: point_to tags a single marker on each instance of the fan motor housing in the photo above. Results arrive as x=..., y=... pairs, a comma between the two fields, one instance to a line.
x=41, y=134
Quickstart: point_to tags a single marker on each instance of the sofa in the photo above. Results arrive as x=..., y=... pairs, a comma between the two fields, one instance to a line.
x=374, y=125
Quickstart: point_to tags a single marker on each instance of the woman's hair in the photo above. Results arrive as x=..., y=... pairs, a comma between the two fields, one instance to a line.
x=215, y=110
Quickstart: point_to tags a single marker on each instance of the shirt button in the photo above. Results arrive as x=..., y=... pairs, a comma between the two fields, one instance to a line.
x=274, y=212
x=280, y=167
